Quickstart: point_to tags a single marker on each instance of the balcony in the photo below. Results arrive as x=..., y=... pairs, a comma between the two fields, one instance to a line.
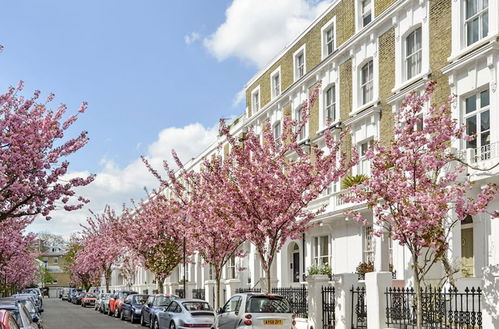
x=483, y=158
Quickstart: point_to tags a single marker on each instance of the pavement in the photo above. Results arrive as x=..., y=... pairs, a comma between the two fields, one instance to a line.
x=59, y=314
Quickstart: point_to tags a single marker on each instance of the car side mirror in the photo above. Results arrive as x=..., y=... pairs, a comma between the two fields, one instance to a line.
x=35, y=319
x=41, y=310
x=220, y=310
x=149, y=304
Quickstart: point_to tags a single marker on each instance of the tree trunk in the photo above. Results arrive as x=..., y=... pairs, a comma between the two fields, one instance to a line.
x=160, y=284
x=107, y=278
x=268, y=283
x=217, y=290
x=417, y=288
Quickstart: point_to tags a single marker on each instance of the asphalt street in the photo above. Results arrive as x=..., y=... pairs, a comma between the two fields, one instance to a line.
x=60, y=314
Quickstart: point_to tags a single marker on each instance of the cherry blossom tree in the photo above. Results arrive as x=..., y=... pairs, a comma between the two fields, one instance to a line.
x=415, y=184
x=17, y=259
x=100, y=248
x=154, y=232
x=274, y=181
x=33, y=147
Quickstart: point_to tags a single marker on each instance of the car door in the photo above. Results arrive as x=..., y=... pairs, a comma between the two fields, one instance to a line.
x=127, y=306
x=166, y=316
x=229, y=317
x=147, y=309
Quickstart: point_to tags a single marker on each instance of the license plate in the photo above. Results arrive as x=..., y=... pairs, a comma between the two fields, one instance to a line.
x=272, y=322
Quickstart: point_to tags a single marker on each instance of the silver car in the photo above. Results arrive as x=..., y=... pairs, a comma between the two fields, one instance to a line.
x=185, y=313
x=255, y=311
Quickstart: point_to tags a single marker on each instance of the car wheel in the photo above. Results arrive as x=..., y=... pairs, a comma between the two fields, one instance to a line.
x=172, y=325
x=122, y=315
x=142, y=322
x=109, y=312
x=116, y=313
x=132, y=318
x=156, y=323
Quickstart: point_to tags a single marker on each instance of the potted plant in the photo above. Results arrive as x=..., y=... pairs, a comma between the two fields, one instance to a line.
x=363, y=268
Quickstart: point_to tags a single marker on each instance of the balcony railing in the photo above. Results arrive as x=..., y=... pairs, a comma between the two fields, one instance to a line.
x=486, y=152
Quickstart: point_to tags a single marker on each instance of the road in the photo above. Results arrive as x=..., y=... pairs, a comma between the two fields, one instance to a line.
x=60, y=314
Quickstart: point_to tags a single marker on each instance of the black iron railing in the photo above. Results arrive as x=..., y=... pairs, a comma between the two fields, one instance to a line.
x=441, y=308
x=328, y=307
x=198, y=293
x=180, y=292
x=297, y=298
x=359, y=308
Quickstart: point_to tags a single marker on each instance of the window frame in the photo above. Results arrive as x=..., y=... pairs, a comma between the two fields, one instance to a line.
x=318, y=255
x=368, y=63
x=274, y=126
x=481, y=152
x=368, y=248
x=303, y=52
x=330, y=25
x=478, y=15
x=327, y=107
x=276, y=72
x=418, y=52
x=256, y=107
x=297, y=117
x=363, y=12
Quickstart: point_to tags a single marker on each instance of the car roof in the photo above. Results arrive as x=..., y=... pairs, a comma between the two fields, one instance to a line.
x=13, y=306
x=183, y=300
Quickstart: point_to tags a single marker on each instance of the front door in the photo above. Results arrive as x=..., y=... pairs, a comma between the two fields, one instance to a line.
x=467, y=252
x=296, y=267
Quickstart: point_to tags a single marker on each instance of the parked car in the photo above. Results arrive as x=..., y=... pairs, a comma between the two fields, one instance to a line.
x=35, y=291
x=78, y=297
x=99, y=300
x=21, y=314
x=104, y=303
x=7, y=320
x=72, y=294
x=185, y=313
x=65, y=293
x=153, y=305
x=256, y=311
x=88, y=299
x=115, y=303
x=28, y=303
x=32, y=298
x=131, y=308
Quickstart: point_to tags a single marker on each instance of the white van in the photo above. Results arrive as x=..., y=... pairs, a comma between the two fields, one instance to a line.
x=65, y=293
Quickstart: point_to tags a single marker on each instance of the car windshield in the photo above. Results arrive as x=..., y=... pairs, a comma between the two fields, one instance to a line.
x=140, y=299
x=163, y=301
x=16, y=315
x=267, y=304
x=197, y=306
x=29, y=305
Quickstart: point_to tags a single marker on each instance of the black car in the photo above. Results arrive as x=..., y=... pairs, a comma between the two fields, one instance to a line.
x=27, y=302
x=131, y=307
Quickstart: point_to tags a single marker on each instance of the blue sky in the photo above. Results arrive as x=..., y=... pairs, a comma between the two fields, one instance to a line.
x=157, y=75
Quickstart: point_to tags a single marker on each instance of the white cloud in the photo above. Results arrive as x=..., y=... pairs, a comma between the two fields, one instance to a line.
x=256, y=30
x=115, y=186
x=191, y=38
x=238, y=98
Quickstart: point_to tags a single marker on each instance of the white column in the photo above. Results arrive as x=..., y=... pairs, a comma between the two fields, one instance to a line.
x=315, y=283
x=376, y=284
x=342, y=285
x=209, y=292
x=230, y=287
x=381, y=255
